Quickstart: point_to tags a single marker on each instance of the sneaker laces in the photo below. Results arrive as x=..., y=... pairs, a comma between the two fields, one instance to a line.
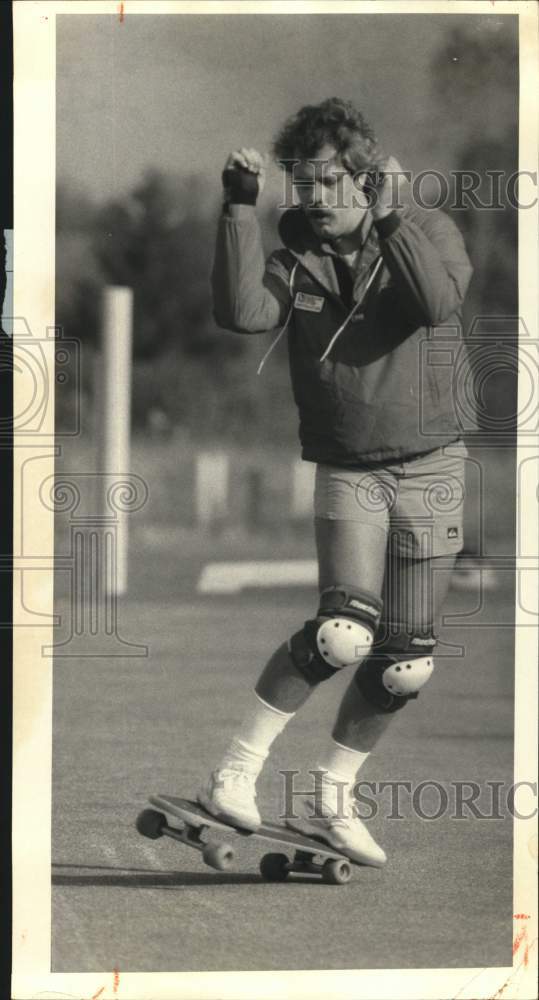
x=234, y=775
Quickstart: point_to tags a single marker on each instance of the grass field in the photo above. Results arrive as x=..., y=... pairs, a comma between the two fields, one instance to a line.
x=165, y=538
x=126, y=727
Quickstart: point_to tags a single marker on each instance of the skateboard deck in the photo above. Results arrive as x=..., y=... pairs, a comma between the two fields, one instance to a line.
x=310, y=854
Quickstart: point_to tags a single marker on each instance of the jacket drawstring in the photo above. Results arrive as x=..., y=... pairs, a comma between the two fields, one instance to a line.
x=353, y=311
x=336, y=335
x=286, y=322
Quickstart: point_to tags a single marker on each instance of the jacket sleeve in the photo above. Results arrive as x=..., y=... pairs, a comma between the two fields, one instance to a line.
x=428, y=263
x=249, y=296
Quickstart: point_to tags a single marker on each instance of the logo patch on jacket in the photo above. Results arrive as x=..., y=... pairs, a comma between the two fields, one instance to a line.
x=310, y=303
x=452, y=532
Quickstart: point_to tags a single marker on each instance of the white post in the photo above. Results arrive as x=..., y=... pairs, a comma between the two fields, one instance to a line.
x=211, y=488
x=115, y=415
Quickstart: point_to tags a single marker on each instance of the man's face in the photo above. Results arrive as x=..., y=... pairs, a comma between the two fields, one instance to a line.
x=331, y=198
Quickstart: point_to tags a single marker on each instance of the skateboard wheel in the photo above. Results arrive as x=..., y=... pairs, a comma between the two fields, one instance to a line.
x=337, y=872
x=274, y=867
x=150, y=823
x=219, y=856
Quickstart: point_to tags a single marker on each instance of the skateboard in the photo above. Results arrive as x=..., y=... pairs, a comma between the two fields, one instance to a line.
x=310, y=854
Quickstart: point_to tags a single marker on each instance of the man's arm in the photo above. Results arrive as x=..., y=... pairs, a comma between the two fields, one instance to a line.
x=429, y=264
x=248, y=296
x=424, y=253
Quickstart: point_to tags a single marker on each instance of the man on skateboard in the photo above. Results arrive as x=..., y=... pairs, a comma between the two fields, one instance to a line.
x=359, y=284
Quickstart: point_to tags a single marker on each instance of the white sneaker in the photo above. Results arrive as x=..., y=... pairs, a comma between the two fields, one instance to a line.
x=337, y=823
x=230, y=795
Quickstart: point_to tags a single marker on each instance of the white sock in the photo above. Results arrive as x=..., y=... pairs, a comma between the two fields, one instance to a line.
x=251, y=744
x=341, y=764
x=341, y=761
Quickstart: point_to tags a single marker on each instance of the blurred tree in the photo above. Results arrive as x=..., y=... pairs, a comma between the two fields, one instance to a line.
x=475, y=79
x=75, y=210
x=492, y=234
x=78, y=275
x=159, y=241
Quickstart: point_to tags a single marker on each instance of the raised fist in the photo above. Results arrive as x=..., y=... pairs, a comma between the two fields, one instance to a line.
x=244, y=176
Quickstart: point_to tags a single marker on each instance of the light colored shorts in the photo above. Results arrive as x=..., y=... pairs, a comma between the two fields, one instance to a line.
x=418, y=503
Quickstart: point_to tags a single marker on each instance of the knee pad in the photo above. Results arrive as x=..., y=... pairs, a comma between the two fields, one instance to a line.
x=340, y=636
x=397, y=671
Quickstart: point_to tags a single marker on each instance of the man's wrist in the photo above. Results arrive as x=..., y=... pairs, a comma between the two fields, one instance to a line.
x=381, y=211
x=239, y=198
x=240, y=186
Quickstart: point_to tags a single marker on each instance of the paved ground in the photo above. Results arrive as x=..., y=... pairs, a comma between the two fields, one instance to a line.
x=127, y=727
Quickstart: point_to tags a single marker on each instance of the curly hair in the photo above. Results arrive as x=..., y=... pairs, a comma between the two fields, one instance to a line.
x=335, y=122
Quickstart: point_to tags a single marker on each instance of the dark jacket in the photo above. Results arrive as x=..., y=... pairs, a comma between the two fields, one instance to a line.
x=377, y=397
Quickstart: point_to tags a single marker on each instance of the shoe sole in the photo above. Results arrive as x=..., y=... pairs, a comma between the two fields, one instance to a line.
x=228, y=818
x=309, y=830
